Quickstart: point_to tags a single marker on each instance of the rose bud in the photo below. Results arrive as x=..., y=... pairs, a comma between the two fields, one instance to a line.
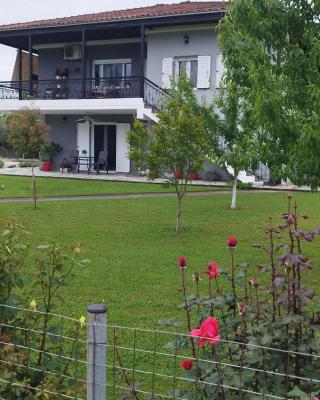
x=182, y=262
x=187, y=365
x=232, y=241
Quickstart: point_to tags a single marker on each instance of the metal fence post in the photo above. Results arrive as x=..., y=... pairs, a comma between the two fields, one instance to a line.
x=97, y=351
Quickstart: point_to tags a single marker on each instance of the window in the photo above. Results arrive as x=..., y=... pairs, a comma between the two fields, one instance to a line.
x=111, y=72
x=189, y=67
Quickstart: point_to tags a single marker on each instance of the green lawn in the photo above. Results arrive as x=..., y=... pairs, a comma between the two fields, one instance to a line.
x=16, y=186
x=133, y=247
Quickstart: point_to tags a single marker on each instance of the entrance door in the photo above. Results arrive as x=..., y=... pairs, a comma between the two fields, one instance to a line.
x=105, y=138
x=112, y=147
x=98, y=141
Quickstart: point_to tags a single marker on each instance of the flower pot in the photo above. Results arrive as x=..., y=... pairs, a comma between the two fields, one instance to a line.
x=46, y=166
x=178, y=174
x=193, y=176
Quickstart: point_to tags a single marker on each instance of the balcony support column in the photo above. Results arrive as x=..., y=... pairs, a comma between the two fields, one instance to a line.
x=30, y=66
x=142, y=59
x=20, y=73
x=84, y=63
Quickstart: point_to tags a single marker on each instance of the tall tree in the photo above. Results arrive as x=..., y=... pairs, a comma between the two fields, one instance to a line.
x=178, y=143
x=28, y=135
x=238, y=136
x=271, y=50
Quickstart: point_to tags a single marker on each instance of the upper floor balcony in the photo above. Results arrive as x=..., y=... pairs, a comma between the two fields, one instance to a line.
x=77, y=89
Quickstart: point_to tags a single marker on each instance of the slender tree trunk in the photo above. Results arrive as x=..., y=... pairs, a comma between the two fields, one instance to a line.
x=234, y=192
x=34, y=187
x=178, y=215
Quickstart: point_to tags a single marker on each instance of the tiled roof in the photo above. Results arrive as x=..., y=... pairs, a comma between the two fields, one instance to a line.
x=159, y=10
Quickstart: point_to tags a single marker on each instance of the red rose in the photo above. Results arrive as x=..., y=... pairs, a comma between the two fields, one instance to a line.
x=232, y=241
x=187, y=364
x=213, y=272
x=208, y=332
x=182, y=262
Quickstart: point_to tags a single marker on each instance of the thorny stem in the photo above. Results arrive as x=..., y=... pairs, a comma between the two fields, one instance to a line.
x=123, y=371
x=273, y=271
x=216, y=357
x=233, y=281
x=184, y=291
x=198, y=297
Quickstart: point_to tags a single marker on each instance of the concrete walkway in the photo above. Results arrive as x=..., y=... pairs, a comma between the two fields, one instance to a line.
x=120, y=177
x=125, y=196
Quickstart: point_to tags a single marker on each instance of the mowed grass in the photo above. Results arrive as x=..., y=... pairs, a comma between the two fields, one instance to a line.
x=16, y=186
x=133, y=247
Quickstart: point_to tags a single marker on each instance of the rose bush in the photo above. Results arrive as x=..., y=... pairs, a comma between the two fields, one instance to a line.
x=261, y=334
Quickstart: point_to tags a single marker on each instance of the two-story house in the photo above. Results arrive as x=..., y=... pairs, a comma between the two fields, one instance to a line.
x=96, y=71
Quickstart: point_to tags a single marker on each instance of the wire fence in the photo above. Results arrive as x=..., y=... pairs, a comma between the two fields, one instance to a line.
x=49, y=356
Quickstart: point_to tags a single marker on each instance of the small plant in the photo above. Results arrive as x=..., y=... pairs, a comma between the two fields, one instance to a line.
x=264, y=321
x=50, y=151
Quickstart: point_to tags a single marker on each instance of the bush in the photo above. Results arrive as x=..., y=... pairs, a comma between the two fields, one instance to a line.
x=28, y=163
x=241, y=326
x=1, y=163
x=53, y=267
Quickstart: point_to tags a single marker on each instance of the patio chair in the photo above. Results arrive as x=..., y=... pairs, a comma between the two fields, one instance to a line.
x=70, y=163
x=102, y=162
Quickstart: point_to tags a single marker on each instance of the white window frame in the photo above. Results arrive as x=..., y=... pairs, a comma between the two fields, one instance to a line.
x=188, y=66
x=122, y=61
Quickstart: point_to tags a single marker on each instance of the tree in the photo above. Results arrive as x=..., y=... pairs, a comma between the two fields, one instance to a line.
x=177, y=145
x=239, y=139
x=28, y=135
x=271, y=51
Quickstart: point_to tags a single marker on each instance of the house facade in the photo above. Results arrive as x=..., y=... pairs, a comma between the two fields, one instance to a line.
x=97, y=71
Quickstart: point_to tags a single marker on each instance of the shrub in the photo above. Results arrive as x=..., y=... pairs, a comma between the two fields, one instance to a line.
x=1, y=163
x=31, y=342
x=240, y=325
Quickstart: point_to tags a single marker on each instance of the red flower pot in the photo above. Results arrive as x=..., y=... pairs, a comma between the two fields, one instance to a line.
x=193, y=176
x=47, y=166
x=178, y=174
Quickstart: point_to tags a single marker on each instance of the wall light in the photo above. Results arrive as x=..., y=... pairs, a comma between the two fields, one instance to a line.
x=186, y=39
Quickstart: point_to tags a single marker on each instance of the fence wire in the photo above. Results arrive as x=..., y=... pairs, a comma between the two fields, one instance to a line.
x=44, y=356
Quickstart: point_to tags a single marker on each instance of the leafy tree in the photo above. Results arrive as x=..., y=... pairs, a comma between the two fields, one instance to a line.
x=28, y=135
x=271, y=51
x=239, y=139
x=178, y=144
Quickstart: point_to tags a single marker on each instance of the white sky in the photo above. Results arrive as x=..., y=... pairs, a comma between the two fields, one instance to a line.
x=29, y=10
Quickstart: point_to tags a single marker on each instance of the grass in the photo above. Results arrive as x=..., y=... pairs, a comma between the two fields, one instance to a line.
x=133, y=250
x=133, y=247
x=16, y=186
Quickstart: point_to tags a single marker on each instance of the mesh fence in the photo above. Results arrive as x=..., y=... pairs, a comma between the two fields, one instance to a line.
x=45, y=356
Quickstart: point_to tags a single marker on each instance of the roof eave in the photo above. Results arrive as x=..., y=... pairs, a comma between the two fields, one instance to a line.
x=122, y=21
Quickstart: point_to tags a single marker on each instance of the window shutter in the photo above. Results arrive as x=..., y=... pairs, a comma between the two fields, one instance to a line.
x=204, y=70
x=167, y=70
x=219, y=70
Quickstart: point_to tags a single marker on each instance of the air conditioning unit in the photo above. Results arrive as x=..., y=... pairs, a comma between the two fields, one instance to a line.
x=72, y=52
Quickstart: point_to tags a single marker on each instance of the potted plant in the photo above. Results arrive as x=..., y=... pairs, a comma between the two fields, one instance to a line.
x=50, y=151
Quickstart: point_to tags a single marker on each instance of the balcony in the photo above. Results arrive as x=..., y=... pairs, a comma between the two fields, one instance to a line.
x=115, y=88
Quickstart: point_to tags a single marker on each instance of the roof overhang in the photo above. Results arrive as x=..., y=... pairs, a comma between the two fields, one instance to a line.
x=18, y=38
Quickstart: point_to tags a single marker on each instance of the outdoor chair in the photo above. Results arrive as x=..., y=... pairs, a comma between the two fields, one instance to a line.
x=70, y=163
x=102, y=162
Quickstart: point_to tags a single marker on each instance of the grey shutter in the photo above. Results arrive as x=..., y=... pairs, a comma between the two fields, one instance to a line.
x=167, y=72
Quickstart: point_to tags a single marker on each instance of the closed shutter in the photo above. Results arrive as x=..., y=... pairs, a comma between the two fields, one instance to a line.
x=204, y=71
x=122, y=149
x=219, y=70
x=167, y=71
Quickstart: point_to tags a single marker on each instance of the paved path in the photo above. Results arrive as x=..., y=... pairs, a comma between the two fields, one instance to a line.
x=126, y=196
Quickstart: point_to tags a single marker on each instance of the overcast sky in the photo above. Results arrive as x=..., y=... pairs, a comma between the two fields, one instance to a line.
x=29, y=10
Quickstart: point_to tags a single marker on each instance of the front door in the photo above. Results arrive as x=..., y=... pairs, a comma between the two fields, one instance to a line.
x=105, y=138
x=112, y=147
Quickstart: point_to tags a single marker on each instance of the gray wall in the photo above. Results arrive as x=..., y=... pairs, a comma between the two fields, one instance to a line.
x=201, y=43
x=63, y=130
x=52, y=59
